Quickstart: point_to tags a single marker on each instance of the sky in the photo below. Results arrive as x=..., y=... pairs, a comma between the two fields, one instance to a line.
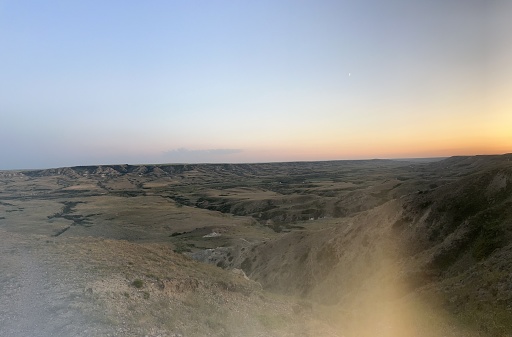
x=111, y=82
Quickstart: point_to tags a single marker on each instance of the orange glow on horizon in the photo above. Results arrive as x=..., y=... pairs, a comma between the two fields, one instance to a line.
x=413, y=148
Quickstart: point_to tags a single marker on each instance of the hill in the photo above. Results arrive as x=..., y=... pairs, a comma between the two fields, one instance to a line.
x=341, y=248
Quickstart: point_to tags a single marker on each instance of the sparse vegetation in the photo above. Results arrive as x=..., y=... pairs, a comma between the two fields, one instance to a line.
x=434, y=240
x=181, y=247
x=138, y=283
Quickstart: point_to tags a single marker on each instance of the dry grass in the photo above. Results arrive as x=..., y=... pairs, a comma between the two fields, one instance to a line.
x=381, y=257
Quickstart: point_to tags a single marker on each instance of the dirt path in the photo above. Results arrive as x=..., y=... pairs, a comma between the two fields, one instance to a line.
x=36, y=300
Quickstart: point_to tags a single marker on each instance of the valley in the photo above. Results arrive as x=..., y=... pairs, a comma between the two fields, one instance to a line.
x=335, y=248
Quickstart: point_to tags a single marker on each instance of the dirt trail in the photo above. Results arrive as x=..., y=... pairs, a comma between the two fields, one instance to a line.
x=35, y=298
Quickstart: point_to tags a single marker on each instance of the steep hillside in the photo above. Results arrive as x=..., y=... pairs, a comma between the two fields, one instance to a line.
x=96, y=287
x=447, y=246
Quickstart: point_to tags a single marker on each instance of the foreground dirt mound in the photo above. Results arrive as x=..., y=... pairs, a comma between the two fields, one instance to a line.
x=97, y=287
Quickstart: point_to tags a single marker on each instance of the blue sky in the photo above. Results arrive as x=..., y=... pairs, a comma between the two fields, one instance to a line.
x=98, y=82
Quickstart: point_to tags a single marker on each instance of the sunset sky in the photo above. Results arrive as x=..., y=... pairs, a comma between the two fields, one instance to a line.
x=109, y=82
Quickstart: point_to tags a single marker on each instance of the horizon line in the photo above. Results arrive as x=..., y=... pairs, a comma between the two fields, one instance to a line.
x=412, y=159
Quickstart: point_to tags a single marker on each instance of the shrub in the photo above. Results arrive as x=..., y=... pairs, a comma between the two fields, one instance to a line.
x=138, y=283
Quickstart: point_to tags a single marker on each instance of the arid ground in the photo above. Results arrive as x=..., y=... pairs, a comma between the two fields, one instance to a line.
x=339, y=248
